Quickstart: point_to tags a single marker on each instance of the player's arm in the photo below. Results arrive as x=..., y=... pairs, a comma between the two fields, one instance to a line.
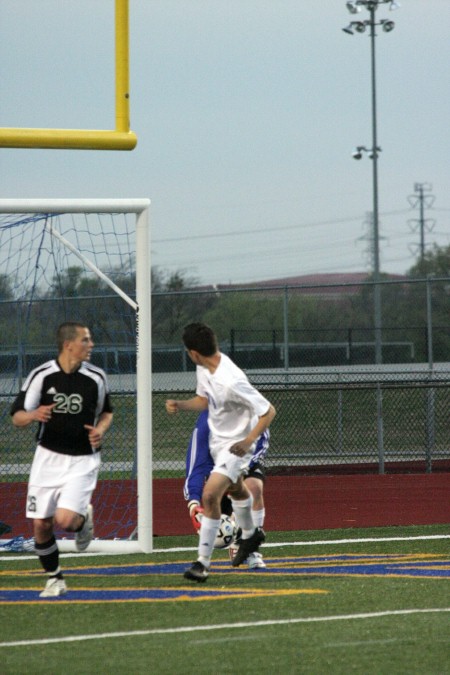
x=264, y=421
x=27, y=407
x=195, y=404
x=22, y=418
x=96, y=433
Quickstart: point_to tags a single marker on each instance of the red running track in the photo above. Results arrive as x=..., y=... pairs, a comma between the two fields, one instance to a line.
x=292, y=503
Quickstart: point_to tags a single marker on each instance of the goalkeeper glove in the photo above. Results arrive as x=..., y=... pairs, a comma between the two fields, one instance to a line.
x=195, y=512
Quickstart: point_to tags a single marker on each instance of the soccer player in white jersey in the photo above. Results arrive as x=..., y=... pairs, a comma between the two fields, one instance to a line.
x=237, y=416
x=69, y=399
x=199, y=465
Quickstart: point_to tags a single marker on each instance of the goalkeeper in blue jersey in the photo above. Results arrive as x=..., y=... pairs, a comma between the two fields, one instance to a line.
x=199, y=465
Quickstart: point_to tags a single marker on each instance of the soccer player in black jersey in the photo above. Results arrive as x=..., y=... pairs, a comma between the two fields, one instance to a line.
x=69, y=398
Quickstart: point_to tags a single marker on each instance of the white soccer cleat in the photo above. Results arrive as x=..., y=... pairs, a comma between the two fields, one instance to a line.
x=255, y=561
x=84, y=537
x=54, y=588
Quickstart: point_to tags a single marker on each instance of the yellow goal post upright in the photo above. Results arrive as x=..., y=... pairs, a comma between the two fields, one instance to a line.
x=121, y=138
x=136, y=210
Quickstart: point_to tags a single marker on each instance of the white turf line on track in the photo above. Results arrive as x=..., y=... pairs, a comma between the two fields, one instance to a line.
x=182, y=549
x=197, y=628
x=324, y=542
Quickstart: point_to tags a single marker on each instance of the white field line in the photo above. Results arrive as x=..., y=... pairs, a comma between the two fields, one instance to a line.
x=247, y=624
x=183, y=549
x=324, y=542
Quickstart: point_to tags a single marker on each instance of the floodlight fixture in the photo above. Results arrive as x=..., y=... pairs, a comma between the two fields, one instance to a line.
x=387, y=25
x=371, y=153
x=353, y=7
x=358, y=152
x=359, y=26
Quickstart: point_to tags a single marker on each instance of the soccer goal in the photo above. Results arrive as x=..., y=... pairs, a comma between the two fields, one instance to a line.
x=84, y=260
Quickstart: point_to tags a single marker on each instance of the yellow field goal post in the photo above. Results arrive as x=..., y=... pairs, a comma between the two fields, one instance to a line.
x=121, y=138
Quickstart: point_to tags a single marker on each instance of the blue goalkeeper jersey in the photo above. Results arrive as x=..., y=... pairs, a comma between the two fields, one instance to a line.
x=199, y=462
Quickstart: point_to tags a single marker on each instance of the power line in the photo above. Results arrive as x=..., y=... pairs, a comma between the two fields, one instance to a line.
x=283, y=228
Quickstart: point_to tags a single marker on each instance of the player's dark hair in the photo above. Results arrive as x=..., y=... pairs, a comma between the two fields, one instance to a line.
x=67, y=331
x=201, y=338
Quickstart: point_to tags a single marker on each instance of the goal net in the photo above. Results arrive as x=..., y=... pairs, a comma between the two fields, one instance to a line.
x=87, y=261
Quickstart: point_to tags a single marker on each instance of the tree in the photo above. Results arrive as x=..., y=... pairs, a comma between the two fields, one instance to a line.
x=6, y=291
x=174, y=304
x=435, y=267
x=8, y=310
x=436, y=262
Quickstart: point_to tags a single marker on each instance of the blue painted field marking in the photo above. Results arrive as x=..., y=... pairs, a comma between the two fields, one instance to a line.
x=430, y=566
x=408, y=564
x=190, y=593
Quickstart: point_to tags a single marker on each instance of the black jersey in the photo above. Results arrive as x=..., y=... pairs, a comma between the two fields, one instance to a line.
x=79, y=397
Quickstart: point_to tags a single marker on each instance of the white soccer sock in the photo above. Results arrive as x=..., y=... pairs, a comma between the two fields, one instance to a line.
x=258, y=517
x=243, y=513
x=208, y=533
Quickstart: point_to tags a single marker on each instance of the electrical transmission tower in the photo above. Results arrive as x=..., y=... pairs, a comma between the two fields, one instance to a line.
x=421, y=200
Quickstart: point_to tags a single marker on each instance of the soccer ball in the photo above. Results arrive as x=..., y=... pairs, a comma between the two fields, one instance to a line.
x=226, y=533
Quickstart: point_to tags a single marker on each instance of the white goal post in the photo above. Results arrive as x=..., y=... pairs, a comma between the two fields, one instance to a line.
x=142, y=305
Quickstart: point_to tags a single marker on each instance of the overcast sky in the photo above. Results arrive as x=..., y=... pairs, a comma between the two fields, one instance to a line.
x=247, y=113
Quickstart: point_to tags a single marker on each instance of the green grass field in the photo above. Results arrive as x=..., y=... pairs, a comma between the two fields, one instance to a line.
x=331, y=601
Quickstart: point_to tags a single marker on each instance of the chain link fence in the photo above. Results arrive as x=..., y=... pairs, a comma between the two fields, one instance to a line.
x=310, y=349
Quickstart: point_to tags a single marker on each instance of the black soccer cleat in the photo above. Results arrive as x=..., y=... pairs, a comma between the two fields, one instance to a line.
x=197, y=572
x=4, y=528
x=247, y=546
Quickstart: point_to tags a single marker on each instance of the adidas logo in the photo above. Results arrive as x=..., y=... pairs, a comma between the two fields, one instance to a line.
x=52, y=390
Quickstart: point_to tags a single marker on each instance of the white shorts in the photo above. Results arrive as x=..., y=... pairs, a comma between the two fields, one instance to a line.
x=60, y=481
x=226, y=463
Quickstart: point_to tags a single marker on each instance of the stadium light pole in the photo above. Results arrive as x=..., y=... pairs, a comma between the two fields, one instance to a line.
x=354, y=7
